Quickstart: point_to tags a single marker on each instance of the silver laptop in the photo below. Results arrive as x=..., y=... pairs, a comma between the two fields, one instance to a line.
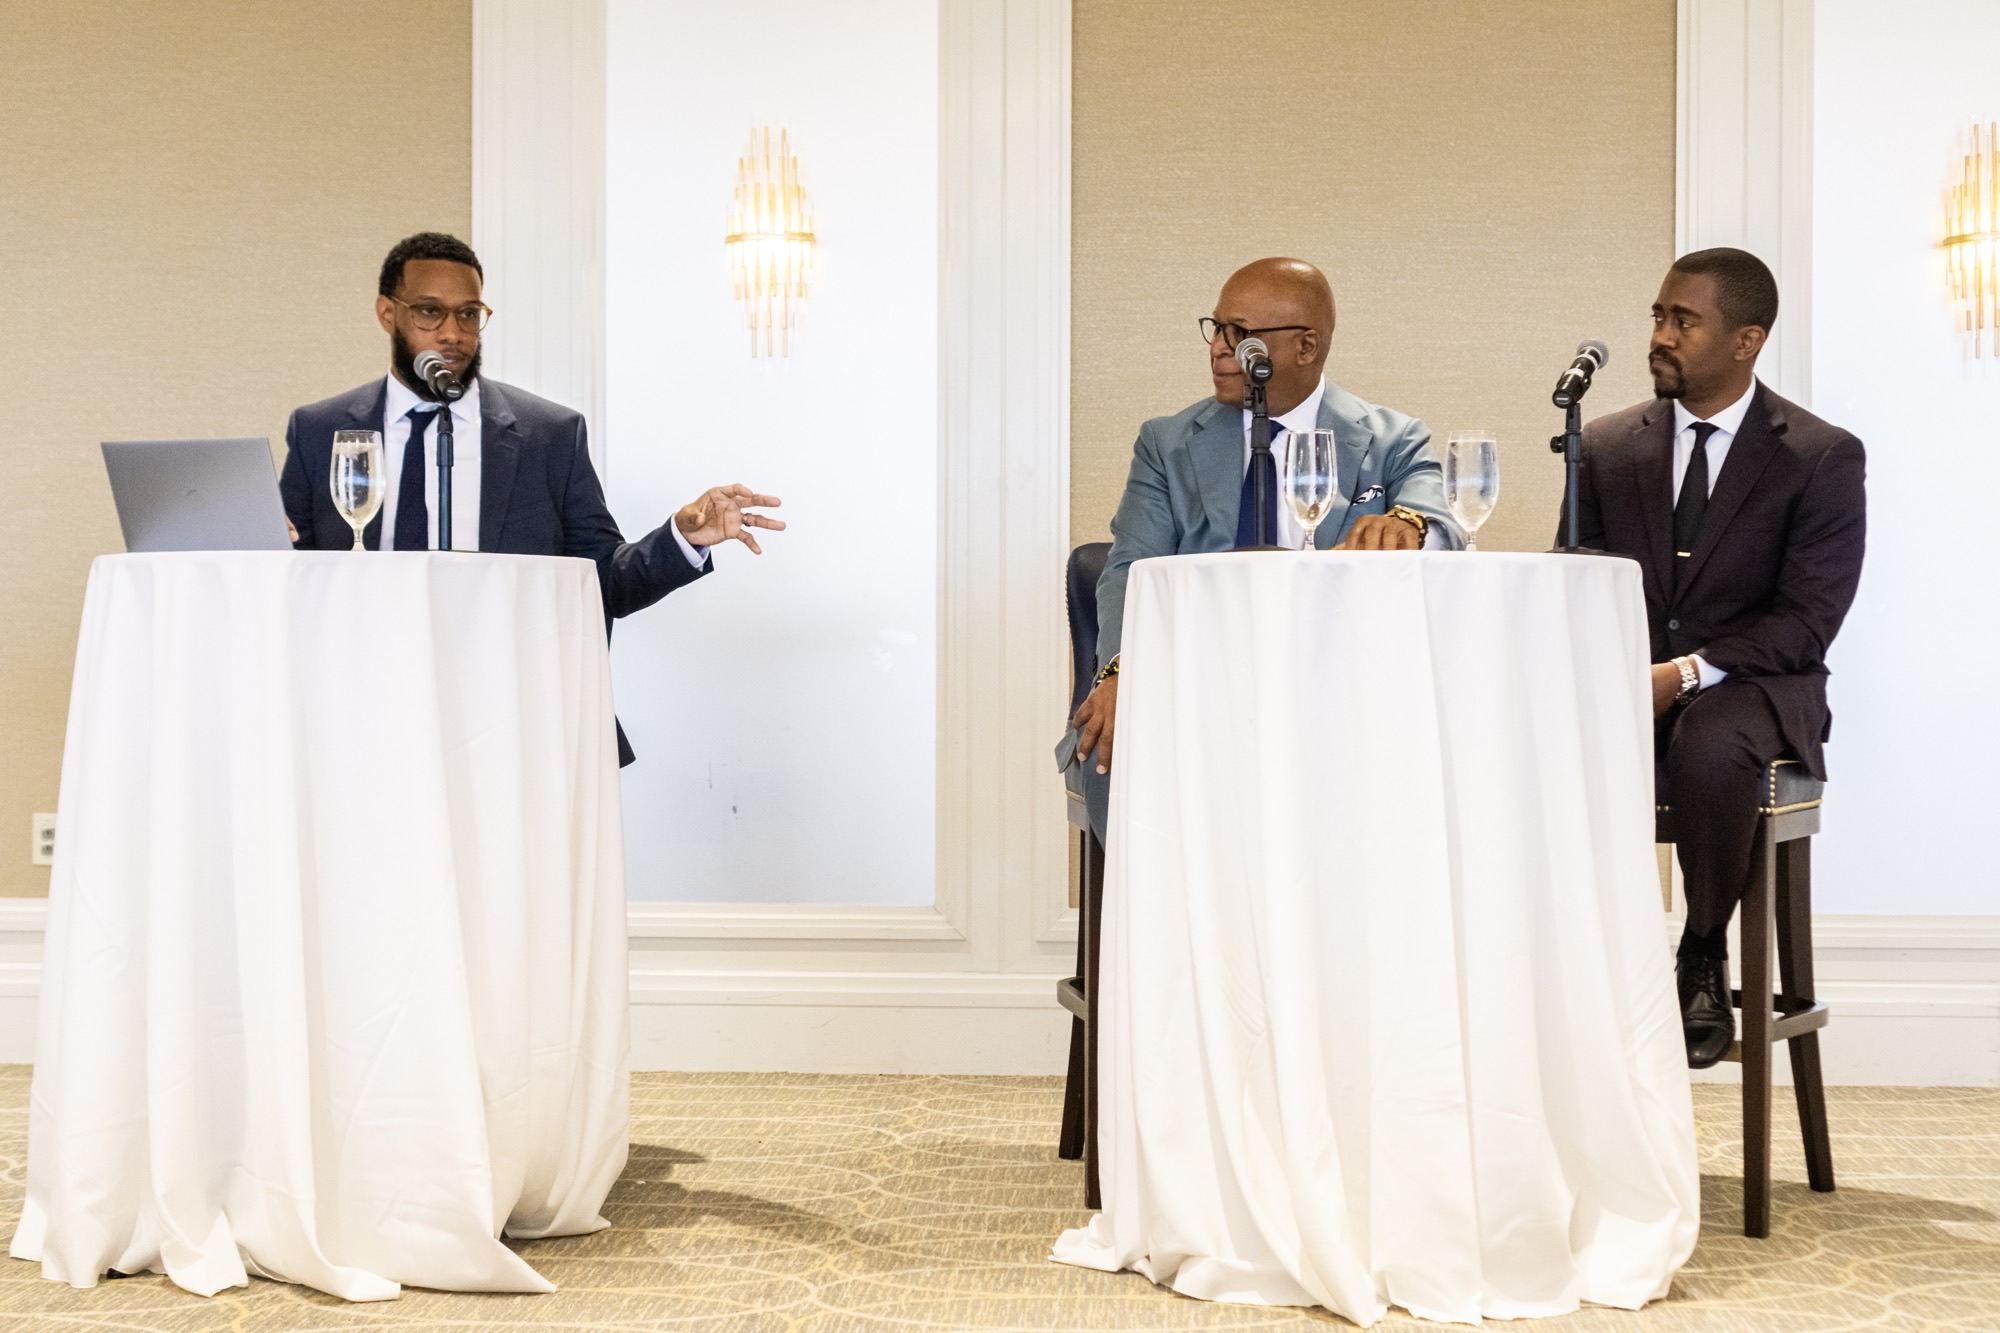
x=197, y=495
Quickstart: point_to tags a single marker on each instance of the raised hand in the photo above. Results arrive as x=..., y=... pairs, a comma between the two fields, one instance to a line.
x=723, y=513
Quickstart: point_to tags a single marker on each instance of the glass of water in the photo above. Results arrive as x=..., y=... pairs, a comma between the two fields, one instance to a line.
x=357, y=478
x=1311, y=481
x=1471, y=479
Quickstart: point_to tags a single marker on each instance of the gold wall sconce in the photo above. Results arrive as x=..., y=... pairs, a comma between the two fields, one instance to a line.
x=770, y=242
x=1972, y=237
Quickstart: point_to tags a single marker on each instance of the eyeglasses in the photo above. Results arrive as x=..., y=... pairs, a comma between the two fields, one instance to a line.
x=1233, y=334
x=429, y=315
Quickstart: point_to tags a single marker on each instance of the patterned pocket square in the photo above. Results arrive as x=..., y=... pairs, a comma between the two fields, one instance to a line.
x=1372, y=493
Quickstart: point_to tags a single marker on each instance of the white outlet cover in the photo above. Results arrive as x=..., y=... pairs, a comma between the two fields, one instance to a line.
x=42, y=846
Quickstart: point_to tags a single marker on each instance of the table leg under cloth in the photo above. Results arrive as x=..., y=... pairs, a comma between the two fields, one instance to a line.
x=1387, y=1013
x=335, y=986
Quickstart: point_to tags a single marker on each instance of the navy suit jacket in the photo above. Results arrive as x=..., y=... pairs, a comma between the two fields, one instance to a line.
x=1775, y=563
x=538, y=494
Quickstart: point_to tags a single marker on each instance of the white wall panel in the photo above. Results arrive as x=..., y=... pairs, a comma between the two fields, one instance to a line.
x=1909, y=827
x=785, y=708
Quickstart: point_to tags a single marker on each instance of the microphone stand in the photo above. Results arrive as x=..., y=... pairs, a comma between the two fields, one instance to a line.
x=1570, y=445
x=444, y=475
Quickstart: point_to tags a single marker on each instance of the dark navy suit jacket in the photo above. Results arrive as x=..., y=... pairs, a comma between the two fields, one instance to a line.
x=538, y=494
x=1775, y=563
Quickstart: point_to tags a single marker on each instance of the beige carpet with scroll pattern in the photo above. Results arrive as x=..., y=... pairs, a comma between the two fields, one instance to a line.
x=822, y=1203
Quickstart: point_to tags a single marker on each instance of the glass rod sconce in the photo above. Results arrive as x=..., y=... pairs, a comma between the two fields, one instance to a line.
x=1972, y=229
x=770, y=242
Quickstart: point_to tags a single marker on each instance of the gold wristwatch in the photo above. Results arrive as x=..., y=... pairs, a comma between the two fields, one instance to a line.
x=1110, y=670
x=1415, y=520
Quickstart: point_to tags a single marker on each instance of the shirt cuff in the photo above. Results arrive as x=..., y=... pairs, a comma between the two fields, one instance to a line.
x=696, y=555
x=1434, y=537
x=1708, y=675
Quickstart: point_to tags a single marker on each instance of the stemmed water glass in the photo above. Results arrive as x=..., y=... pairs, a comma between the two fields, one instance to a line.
x=357, y=478
x=1471, y=479
x=1312, y=477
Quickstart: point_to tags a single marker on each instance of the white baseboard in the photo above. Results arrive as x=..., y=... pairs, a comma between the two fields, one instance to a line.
x=1915, y=1001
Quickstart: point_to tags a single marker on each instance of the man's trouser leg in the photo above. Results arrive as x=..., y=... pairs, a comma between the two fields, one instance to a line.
x=1717, y=748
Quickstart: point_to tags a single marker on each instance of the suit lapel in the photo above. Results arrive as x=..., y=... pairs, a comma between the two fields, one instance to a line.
x=369, y=417
x=1352, y=443
x=1749, y=453
x=1652, y=448
x=499, y=453
x=1216, y=449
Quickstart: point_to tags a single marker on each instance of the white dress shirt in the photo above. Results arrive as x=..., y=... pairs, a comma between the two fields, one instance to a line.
x=465, y=469
x=1303, y=417
x=1726, y=422
x=465, y=455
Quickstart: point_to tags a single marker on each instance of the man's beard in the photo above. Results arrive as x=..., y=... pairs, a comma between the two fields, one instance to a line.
x=405, y=361
x=1661, y=389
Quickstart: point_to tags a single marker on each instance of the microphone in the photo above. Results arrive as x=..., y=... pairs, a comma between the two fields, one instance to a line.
x=444, y=385
x=1591, y=357
x=1255, y=358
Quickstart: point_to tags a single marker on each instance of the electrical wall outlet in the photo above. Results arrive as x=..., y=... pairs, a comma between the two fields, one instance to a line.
x=42, y=851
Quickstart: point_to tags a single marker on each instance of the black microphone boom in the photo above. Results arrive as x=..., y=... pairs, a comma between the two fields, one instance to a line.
x=1255, y=358
x=1591, y=357
x=444, y=385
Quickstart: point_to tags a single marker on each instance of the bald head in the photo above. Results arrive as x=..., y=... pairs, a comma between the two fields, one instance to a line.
x=1292, y=299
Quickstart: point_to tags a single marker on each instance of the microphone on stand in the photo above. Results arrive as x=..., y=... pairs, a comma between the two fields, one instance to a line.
x=1255, y=358
x=444, y=385
x=1591, y=357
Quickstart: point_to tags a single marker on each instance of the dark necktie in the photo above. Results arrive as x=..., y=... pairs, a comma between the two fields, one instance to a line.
x=1246, y=505
x=1693, y=502
x=413, y=514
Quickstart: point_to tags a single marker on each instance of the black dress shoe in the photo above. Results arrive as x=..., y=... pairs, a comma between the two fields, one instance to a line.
x=1707, y=1021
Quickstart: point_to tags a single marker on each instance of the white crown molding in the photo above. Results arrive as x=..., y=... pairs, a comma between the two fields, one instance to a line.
x=1743, y=172
x=538, y=197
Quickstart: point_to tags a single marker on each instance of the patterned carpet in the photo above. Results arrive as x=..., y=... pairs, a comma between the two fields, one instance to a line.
x=819, y=1203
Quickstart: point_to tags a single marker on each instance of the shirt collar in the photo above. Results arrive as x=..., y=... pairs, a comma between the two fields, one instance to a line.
x=401, y=398
x=1303, y=417
x=1726, y=422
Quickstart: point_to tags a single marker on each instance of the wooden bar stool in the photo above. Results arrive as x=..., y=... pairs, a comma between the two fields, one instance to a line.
x=1078, y=994
x=1788, y=816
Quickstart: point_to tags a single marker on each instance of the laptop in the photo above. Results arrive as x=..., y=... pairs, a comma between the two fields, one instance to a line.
x=197, y=495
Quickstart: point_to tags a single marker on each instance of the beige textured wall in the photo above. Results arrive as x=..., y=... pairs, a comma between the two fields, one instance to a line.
x=194, y=200
x=1485, y=184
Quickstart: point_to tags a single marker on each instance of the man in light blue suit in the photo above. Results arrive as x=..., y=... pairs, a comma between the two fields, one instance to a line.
x=1190, y=488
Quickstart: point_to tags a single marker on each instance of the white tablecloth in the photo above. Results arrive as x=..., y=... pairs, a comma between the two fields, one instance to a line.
x=1419, y=1045
x=335, y=980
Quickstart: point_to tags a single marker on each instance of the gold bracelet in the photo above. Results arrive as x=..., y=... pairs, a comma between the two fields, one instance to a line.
x=1110, y=670
x=1415, y=520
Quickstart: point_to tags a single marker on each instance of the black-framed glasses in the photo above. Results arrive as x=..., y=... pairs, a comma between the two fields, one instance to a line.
x=1233, y=334
x=429, y=315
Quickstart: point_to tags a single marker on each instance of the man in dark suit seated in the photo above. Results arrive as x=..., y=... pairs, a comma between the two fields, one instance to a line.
x=522, y=477
x=1747, y=515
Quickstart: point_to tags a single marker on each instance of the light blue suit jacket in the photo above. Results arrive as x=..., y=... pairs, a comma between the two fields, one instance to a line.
x=1187, y=483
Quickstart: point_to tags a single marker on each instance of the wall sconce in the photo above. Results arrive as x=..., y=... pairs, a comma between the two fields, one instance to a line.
x=1972, y=228
x=770, y=242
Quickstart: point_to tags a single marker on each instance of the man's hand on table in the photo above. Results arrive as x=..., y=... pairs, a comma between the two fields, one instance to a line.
x=722, y=513
x=1380, y=532
x=1666, y=686
x=1094, y=722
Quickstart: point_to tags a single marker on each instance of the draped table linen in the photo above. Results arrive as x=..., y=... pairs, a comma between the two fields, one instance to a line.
x=335, y=981
x=1386, y=1014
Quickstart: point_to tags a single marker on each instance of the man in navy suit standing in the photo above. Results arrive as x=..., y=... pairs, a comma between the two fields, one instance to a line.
x=522, y=477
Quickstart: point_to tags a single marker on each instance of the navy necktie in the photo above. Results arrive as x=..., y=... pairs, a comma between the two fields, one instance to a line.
x=413, y=513
x=1246, y=504
x=1693, y=501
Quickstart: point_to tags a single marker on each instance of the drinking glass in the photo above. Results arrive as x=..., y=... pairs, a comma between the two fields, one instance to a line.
x=357, y=478
x=1312, y=477
x=1471, y=479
